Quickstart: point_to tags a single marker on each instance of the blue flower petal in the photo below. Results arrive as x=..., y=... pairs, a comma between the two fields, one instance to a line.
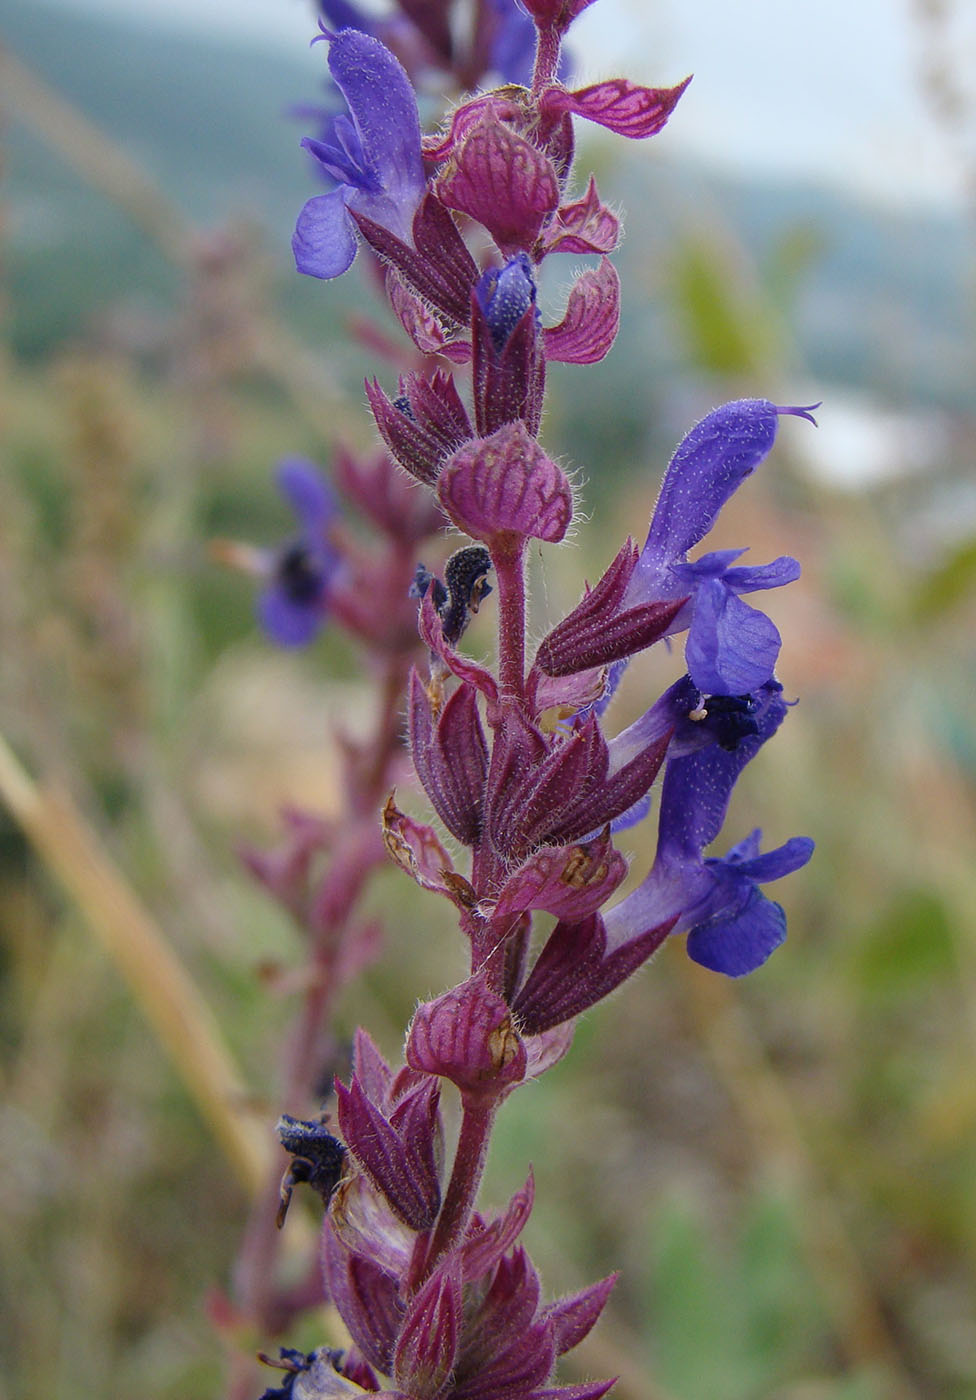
x=697, y=788
x=746, y=849
x=733, y=927
x=615, y=673
x=773, y=865
x=758, y=576
x=341, y=165
x=709, y=465
x=731, y=648
x=713, y=565
x=324, y=241
x=739, y=944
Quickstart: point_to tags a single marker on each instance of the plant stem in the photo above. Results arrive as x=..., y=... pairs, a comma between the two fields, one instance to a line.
x=469, y=1164
x=546, y=59
x=358, y=854
x=508, y=557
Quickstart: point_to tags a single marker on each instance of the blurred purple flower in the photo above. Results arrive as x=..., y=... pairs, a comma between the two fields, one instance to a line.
x=373, y=155
x=340, y=14
x=293, y=605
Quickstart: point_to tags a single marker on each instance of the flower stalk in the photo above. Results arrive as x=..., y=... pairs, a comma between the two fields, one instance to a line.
x=519, y=759
x=508, y=561
x=469, y=1164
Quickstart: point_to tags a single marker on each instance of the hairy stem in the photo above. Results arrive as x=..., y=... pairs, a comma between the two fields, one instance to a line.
x=465, y=1179
x=469, y=1164
x=508, y=559
x=546, y=59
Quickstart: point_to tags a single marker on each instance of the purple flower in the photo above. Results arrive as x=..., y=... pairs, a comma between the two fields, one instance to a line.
x=736, y=927
x=732, y=926
x=374, y=157
x=293, y=605
x=732, y=647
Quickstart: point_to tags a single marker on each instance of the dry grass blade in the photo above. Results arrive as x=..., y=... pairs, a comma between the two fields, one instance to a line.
x=159, y=983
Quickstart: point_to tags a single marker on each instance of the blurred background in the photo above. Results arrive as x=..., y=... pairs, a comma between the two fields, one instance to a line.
x=783, y=1169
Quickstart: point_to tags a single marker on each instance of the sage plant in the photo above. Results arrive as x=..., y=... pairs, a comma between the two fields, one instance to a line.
x=519, y=760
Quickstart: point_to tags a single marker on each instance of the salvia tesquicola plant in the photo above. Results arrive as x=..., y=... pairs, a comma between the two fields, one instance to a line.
x=528, y=782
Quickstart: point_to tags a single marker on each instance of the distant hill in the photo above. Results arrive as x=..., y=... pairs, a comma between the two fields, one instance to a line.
x=873, y=299
x=207, y=119
x=209, y=122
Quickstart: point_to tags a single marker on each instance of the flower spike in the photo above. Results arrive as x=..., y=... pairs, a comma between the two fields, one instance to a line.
x=524, y=784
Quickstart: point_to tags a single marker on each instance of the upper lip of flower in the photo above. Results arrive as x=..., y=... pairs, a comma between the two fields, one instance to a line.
x=374, y=156
x=732, y=648
x=381, y=142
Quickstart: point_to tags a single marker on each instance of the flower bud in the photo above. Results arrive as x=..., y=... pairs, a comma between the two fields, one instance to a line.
x=505, y=483
x=501, y=180
x=467, y=1036
x=504, y=295
x=428, y=1341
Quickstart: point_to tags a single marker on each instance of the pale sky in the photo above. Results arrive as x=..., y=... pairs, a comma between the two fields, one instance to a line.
x=829, y=91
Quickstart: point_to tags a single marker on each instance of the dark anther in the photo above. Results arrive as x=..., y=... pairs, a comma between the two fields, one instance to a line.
x=731, y=719
x=317, y=1160
x=463, y=591
x=464, y=575
x=402, y=405
x=424, y=579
